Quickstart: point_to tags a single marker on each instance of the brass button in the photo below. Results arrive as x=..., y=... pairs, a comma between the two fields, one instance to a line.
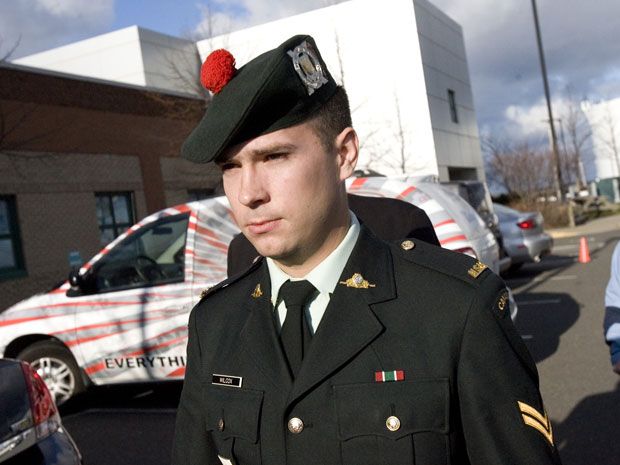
x=392, y=423
x=407, y=245
x=295, y=425
x=220, y=424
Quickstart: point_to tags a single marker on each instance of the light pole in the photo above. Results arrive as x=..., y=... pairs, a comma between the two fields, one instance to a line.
x=557, y=170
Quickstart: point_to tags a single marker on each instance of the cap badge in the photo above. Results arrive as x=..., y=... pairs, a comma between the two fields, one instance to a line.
x=308, y=66
x=357, y=281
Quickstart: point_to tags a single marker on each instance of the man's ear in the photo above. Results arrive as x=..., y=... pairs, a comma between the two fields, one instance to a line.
x=347, y=151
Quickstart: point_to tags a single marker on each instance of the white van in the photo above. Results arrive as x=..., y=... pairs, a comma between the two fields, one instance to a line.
x=123, y=316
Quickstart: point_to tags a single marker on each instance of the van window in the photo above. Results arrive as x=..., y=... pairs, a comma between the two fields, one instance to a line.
x=154, y=254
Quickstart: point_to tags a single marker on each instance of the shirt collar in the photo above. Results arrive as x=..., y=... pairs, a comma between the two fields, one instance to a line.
x=326, y=274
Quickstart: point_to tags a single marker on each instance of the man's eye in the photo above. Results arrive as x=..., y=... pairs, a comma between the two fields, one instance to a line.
x=227, y=166
x=275, y=156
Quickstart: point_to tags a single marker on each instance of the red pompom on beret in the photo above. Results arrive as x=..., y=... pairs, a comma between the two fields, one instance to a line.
x=217, y=70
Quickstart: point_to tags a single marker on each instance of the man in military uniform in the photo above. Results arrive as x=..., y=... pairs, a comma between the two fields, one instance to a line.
x=339, y=348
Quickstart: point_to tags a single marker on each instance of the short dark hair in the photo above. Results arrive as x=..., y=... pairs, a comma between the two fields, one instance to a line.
x=332, y=118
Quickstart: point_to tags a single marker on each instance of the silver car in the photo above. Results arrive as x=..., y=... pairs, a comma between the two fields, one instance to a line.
x=523, y=236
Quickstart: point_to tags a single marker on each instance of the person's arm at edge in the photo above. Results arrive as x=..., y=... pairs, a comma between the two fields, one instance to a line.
x=193, y=444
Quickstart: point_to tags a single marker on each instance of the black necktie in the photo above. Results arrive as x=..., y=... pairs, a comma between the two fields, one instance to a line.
x=295, y=334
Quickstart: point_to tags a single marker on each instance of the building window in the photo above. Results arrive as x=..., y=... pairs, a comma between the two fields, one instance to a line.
x=200, y=194
x=11, y=258
x=114, y=214
x=452, y=101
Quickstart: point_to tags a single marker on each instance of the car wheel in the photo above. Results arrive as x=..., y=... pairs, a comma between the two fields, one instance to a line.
x=56, y=366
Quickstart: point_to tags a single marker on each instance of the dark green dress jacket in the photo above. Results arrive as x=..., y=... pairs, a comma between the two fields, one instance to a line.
x=466, y=388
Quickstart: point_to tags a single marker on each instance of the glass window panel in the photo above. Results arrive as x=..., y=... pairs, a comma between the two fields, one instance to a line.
x=104, y=212
x=152, y=255
x=7, y=256
x=4, y=217
x=107, y=236
x=122, y=209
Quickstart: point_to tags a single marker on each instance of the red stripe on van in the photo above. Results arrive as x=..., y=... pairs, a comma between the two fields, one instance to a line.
x=177, y=372
x=359, y=182
x=460, y=237
x=406, y=192
x=443, y=223
x=17, y=321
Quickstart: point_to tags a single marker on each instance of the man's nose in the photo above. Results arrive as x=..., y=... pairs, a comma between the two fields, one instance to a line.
x=252, y=190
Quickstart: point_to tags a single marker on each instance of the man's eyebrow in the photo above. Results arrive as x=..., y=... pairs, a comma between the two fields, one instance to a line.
x=274, y=148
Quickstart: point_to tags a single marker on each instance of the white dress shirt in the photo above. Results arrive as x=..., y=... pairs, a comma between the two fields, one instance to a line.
x=324, y=277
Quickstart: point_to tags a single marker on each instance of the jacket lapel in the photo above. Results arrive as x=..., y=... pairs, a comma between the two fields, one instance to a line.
x=349, y=324
x=259, y=337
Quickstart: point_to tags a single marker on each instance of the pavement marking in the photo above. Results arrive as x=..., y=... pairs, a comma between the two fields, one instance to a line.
x=565, y=247
x=539, y=302
x=563, y=278
x=527, y=336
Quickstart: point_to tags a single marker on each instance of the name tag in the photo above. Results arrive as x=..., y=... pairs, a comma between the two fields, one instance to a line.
x=227, y=380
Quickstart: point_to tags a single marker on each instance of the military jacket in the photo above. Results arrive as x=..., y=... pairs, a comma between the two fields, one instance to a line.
x=415, y=361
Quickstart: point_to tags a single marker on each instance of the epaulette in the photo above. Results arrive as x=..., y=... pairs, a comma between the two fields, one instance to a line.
x=230, y=280
x=457, y=265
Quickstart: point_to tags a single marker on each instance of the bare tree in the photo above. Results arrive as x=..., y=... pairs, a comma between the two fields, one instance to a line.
x=609, y=137
x=578, y=133
x=523, y=172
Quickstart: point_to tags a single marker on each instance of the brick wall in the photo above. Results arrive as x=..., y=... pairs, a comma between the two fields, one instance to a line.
x=55, y=196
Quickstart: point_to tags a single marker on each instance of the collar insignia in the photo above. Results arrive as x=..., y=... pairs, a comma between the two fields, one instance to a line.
x=357, y=281
x=477, y=269
x=257, y=292
x=308, y=66
x=532, y=417
x=204, y=292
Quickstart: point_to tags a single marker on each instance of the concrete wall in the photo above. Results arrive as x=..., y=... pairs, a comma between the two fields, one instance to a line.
x=132, y=55
x=603, y=161
x=445, y=67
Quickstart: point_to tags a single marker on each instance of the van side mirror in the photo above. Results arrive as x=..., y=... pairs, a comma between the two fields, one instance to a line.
x=75, y=279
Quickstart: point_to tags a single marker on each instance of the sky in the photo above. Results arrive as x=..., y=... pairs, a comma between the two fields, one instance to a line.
x=581, y=40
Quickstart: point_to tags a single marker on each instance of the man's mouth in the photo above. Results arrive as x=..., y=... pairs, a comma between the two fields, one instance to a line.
x=262, y=226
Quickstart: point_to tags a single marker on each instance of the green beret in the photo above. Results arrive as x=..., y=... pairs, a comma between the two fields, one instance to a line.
x=278, y=89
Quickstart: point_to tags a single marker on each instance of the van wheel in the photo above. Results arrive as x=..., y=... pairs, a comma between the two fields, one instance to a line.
x=56, y=366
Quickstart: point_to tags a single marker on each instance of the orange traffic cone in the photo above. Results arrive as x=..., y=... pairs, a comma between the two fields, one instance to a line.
x=584, y=251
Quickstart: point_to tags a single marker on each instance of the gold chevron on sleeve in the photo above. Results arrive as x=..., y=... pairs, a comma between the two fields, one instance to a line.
x=536, y=420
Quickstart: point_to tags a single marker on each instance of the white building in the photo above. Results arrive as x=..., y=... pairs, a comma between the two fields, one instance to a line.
x=403, y=64
x=132, y=55
x=602, y=167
